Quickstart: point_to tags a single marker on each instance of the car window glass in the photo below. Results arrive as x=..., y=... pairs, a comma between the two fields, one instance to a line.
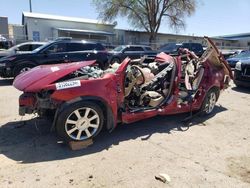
x=93, y=46
x=185, y=45
x=133, y=48
x=170, y=47
x=58, y=47
x=34, y=46
x=26, y=47
x=148, y=48
x=119, y=48
x=243, y=54
x=196, y=47
x=72, y=47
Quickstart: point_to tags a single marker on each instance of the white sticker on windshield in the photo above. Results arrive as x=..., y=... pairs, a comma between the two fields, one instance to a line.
x=68, y=84
x=54, y=69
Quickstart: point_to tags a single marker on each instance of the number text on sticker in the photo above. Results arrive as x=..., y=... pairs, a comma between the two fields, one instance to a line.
x=68, y=84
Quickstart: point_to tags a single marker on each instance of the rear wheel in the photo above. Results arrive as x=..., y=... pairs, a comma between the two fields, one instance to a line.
x=79, y=121
x=210, y=101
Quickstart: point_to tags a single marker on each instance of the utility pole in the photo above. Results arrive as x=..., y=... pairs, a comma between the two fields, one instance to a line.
x=30, y=6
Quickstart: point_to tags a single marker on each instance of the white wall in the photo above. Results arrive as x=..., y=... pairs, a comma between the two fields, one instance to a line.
x=47, y=27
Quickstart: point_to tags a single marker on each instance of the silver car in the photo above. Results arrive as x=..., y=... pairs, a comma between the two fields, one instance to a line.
x=21, y=48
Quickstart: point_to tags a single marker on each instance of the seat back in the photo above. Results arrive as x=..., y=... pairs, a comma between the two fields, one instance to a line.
x=198, y=79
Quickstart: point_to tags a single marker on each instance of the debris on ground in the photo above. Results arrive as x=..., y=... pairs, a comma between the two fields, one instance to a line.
x=80, y=144
x=163, y=177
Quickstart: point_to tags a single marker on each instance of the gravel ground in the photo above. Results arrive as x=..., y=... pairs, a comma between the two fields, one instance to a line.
x=214, y=152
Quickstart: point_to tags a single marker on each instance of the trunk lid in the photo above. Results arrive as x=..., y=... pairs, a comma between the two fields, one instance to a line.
x=217, y=58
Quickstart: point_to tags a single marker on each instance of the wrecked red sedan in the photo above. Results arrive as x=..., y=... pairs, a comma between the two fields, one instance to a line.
x=83, y=99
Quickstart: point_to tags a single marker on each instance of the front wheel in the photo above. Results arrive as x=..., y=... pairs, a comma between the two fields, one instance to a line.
x=79, y=121
x=210, y=101
x=21, y=68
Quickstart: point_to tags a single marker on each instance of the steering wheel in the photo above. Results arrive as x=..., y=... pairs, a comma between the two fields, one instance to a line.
x=138, y=74
x=135, y=77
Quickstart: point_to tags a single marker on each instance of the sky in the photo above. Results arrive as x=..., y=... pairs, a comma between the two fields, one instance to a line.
x=212, y=17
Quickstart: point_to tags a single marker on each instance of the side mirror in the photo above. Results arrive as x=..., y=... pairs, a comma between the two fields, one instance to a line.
x=17, y=49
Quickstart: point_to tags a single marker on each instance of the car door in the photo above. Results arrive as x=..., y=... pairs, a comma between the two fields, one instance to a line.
x=54, y=54
x=77, y=52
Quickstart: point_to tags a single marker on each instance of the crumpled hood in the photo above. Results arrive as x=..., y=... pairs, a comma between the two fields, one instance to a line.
x=41, y=76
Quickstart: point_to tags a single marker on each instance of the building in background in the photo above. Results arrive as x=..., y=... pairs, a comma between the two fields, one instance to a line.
x=139, y=37
x=4, y=30
x=42, y=27
x=242, y=38
x=17, y=33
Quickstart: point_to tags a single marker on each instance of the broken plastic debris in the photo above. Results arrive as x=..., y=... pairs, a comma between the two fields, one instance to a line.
x=163, y=177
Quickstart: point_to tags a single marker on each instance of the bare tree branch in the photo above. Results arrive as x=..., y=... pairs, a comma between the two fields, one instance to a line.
x=147, y=14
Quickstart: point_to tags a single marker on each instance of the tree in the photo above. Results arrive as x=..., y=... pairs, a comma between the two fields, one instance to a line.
x=147, y=14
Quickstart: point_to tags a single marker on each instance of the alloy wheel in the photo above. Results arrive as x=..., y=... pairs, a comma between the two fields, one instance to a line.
x=24, y=69
x=210, y=103
x=82, y=123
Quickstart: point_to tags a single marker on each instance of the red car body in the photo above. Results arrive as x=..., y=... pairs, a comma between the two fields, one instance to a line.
x=48, y=87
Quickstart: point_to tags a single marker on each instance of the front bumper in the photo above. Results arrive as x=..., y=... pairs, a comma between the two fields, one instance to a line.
x=241, y=79
x=27, y=104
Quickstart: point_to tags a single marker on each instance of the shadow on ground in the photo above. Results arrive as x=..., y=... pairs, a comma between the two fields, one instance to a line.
x=242, y=89
x=33, y=142
x=6, y=82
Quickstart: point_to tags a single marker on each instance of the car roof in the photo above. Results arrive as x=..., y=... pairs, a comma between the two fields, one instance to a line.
x=135, y=45
x=32, y=42
x=77, y=41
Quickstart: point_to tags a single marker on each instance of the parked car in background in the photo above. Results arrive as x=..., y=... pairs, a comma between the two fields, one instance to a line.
x=243, y=56
x=21, y=48
x=55, y=52
x=132, y=51
x=173, y=48
x=242, y=73
x=84, y=99
x=4, y=45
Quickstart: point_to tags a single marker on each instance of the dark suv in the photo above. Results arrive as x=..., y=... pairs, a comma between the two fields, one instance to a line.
x=242, y=73
x=173, y=48
x=132, y=51
x=59, y=51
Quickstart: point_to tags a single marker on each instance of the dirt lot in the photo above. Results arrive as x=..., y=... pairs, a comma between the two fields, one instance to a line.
x=214, y=152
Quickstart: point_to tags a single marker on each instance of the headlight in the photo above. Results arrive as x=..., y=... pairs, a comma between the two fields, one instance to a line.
x=2, y=64
x=238, y=66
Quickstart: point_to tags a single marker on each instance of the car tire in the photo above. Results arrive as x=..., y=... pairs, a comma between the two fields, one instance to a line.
x=21, y=68
x=209, y=102
x=79, y=121
x=115, y=60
